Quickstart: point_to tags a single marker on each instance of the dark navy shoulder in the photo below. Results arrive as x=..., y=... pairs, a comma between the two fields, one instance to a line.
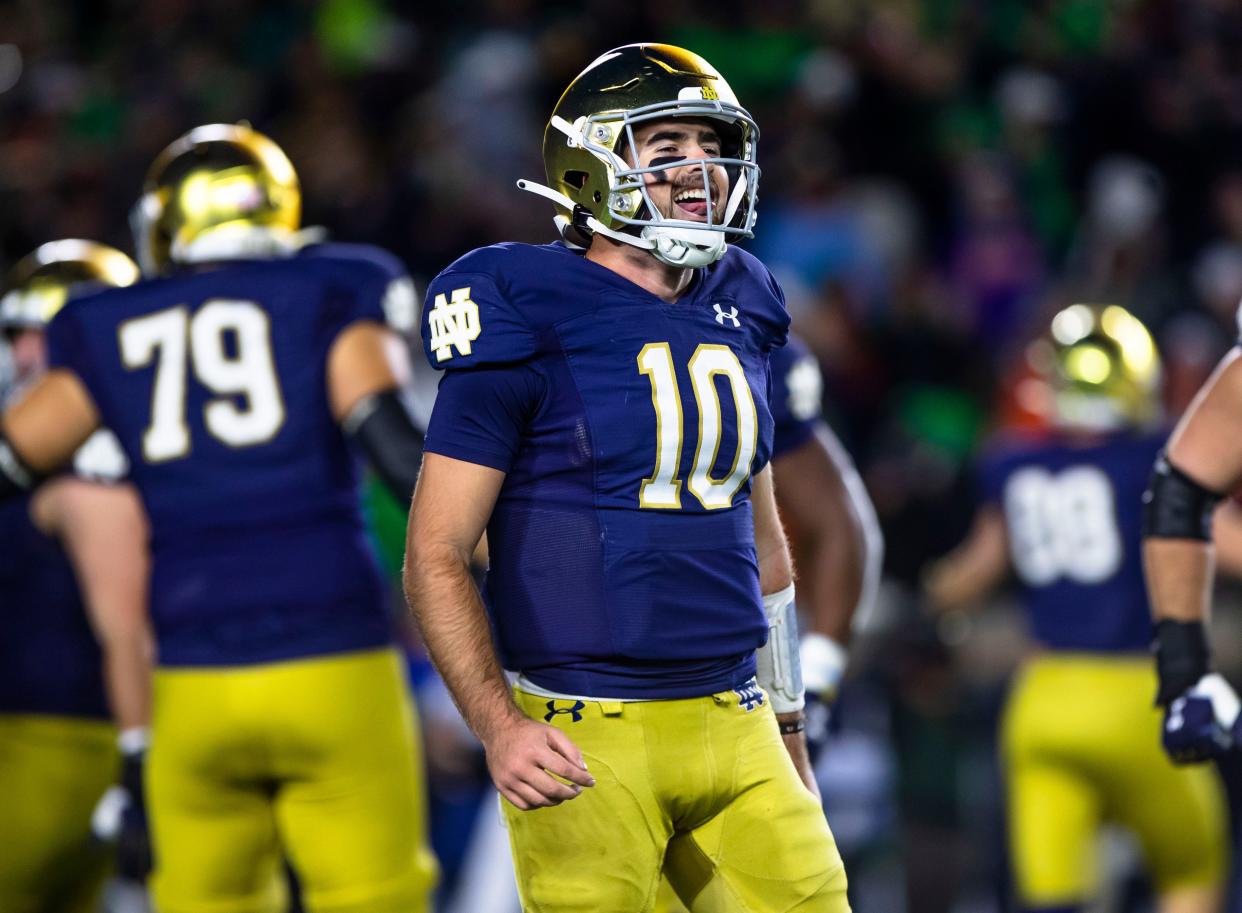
x=473, y=313
x=1018, y=444
x=741, y=278
x=362, y=257
x=102, y=297
x=513, y=263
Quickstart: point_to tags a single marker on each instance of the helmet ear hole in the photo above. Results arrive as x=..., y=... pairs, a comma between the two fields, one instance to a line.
x=577, y=179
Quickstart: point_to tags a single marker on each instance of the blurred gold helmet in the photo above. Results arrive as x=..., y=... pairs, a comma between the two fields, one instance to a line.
x=40, y=283
x=597, y=191
x=1099, y=368
x=219, y=192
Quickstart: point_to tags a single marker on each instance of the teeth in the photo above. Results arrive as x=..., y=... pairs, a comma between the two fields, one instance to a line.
x=691, y=195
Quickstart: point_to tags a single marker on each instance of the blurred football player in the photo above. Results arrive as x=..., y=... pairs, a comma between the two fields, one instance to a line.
x=73, y=572
x=234, y=378
x=604, y=415
x=1080, y=737
x=831, y=523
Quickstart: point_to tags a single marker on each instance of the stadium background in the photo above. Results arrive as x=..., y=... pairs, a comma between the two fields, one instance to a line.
x=939, y=177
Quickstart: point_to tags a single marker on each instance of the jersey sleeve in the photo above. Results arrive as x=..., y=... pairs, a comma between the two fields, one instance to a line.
x=367, y=284
x=480, y=414
x=468, y=323
x=797, y=396
x=777, y=322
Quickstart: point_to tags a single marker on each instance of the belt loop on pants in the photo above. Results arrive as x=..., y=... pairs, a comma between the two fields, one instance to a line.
x=612, y=708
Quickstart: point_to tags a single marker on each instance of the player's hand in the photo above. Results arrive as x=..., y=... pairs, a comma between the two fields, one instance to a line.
x=522, y=756
x=120, y=818
x=795, y=744
x=823, y=662
x=1203, y=722
x=820, y=719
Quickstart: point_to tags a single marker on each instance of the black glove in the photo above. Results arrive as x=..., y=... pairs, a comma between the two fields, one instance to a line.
x=1181, y=657
x=120, y=818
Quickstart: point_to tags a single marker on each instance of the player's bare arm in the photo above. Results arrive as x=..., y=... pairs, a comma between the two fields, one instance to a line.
x=1201, y=463
x=1204, y=449
x=368, y=366
x=41, y=431
x=1227, y=537
x=830, y=532
x=104, y=531
x=775, y=578
x=452, y=503
x=973, y=569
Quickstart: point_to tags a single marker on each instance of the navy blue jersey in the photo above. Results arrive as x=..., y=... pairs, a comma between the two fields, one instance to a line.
x=49, y=661
x=1074, y=518
x=797, y=396
x=622, y=544
x=215, y=383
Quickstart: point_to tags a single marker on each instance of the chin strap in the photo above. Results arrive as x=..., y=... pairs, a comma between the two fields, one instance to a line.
x=594, y=224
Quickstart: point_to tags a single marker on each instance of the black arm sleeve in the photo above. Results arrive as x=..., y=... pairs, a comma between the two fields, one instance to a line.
x=382, y=426
x=1175, y=506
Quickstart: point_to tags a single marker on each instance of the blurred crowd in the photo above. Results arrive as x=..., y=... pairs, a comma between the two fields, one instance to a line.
x=939, y=177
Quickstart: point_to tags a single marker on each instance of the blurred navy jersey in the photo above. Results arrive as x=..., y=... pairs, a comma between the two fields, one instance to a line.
x=797, y=396
x=215, y=383
x=49, y=662
x=1074, y=518
x=622, y=543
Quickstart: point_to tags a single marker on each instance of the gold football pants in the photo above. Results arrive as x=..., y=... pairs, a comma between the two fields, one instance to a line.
x=314, y=759
x=1081, y=744
x=53, y=770
x=702, y=789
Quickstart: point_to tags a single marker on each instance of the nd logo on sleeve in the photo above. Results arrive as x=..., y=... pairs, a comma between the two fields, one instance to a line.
x=453, y=323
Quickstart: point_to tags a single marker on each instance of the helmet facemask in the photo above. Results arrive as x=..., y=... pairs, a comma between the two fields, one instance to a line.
x=597, y=191
x=628, y=202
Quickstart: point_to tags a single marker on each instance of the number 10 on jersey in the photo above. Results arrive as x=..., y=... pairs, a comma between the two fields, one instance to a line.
x=662, y=489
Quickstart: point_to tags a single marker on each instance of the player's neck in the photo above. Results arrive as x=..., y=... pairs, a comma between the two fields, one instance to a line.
x=640, y=267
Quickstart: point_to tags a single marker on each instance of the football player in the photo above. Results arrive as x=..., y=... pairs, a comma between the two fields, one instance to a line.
x=604, y=416
x=234, y=378
x=1199, y=466
x=1080, y=735
x=58, y=749
x=831, y=523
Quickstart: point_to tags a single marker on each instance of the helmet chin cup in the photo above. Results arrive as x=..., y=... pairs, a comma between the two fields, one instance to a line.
x=688, y=248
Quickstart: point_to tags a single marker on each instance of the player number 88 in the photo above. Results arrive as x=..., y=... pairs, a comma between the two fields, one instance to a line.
x=1062, y=525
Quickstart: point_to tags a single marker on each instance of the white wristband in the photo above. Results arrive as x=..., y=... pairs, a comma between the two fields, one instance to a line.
x=134, y=740
x=777, y=666
x=823, y=663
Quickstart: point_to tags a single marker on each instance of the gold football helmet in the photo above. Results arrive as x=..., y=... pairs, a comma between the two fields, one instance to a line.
x=39, y=284
x=1100, y=367
x=597, y=191
x=219, y=192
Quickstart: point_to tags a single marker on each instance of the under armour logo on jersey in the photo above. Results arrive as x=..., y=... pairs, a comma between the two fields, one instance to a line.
x=453, y=324
x=749, y=696
x=572, y=710
x=722, y=315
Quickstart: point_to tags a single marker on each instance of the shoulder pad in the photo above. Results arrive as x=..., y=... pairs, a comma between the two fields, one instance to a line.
x=364, y=255
x=400, y=301
x=757, y=293
x=468, y=321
